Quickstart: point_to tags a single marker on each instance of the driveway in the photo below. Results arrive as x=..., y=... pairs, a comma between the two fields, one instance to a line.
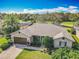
x=27, y=47
x=15, y=50
x=10, y=53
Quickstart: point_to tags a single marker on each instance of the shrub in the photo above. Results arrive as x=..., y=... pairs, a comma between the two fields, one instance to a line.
x=76, y=46
x=1, y=50
x=5, y=46
x=65, y=53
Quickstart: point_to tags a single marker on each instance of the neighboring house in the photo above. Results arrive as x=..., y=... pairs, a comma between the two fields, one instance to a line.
x=24, y=24
x=60, y=36
x=77, y=30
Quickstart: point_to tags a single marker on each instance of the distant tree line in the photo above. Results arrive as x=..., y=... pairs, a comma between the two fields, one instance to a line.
x=10, y=20
x=53, y=17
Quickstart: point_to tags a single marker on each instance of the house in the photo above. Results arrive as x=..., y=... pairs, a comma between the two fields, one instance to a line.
x=77, y=30
x=23, y=25
x=60, y=36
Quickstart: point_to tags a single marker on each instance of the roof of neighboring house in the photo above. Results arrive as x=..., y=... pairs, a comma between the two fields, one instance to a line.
x=46, y=30
x=76, y=27
x=25, y=23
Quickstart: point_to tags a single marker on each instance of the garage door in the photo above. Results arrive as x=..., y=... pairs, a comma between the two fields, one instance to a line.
x=20, y=40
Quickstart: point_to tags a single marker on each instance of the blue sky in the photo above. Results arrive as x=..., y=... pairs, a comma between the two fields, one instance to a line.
x=25, y=5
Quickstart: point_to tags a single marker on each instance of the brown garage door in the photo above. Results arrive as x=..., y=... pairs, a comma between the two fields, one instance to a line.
x=20, y=40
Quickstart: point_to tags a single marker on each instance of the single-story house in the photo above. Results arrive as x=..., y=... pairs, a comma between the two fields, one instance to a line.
x=23, y=25
x=76, y=28
x=60, y=36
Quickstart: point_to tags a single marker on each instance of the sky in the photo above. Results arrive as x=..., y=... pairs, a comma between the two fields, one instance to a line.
x=39, y=6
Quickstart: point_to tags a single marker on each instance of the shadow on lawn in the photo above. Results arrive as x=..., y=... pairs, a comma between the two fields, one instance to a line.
x=29, y=49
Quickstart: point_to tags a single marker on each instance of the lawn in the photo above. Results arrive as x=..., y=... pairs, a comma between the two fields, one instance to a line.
x=69, y=24
x=3, y=41
x=75, y=38
x=3, y=44
x=29, y=54
x=73, y=35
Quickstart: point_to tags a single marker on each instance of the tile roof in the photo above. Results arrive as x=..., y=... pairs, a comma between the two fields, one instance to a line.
x=46, y=30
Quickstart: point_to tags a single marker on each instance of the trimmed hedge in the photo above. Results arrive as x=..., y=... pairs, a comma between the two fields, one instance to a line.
x=5, y=46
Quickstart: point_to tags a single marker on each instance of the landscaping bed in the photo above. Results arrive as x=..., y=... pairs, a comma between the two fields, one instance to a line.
x=4, y=44
x=31, y=54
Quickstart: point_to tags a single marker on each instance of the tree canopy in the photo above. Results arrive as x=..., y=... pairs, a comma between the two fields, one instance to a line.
x=65, y=53
x=10, y=24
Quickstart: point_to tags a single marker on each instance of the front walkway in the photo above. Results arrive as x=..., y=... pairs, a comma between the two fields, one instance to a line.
x=10, y=53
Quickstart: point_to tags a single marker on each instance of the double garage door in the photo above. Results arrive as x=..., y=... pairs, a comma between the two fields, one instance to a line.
x=19, y=40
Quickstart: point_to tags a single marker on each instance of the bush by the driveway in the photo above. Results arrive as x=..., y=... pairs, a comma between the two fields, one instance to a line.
x=4, y=43
x=5, y=46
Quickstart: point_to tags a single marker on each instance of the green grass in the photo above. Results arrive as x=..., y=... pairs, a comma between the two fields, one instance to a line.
x=3, y=40
x=73, y=35
x=69, y=30
x=69, y=24
x=20, y=21
x=75, y=38
x=28, y=54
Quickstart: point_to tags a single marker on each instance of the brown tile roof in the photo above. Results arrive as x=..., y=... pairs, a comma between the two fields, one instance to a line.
x=46, y=30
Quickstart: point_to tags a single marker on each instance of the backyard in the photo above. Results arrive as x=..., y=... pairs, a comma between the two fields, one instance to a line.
x=30, y=54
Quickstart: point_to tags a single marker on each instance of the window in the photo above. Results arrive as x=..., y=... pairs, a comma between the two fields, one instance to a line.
x=60, y=43
x=65, y=43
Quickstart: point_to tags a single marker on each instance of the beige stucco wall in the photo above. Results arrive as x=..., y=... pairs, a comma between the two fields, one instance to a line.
x=77, y=33
x=56, y=43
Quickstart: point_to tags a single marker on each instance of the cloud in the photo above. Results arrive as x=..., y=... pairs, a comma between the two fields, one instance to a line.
x=71, y=9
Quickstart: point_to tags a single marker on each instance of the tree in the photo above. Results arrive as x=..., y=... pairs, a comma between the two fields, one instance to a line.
x=77, y=23
x=36, y=41
x=65, y=53
x=73, y=17
x=48, y=43
x=76, y=46
x=10, y=24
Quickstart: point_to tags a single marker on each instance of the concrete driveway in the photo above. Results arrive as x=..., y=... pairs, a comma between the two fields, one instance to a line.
x=15, y=50
x=10, y=53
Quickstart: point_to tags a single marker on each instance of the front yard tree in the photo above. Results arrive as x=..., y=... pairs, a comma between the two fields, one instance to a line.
x=10, y=24
x=48, y=43
x=65, y=53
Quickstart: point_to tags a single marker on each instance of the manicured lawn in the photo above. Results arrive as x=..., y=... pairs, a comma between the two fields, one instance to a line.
x=20, y=21
x=3, y=44
x=75, y=38
x=69, y=24
x=29, y=54
x=73, y=35
x=3, y=40
x=69, y=30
